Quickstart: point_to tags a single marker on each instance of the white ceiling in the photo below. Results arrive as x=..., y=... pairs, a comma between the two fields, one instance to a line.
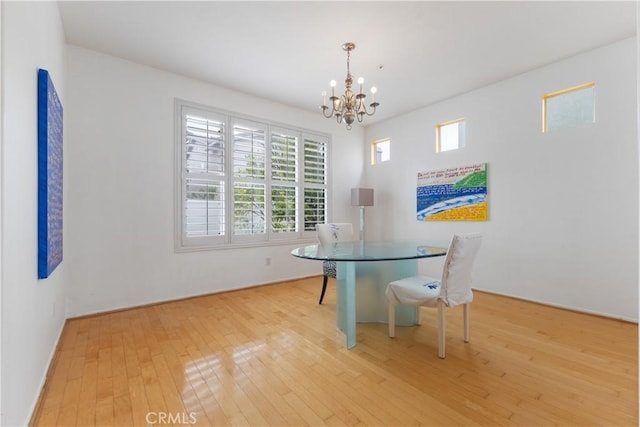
x=416, y=53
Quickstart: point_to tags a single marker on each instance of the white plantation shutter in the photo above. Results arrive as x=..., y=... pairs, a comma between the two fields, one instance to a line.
x=284, y=212
x=248, y=209
x=284, y=181
x=284, y=153
x=249, y=183
x=315, y=160
x=204, y=208
x=203, y=178
x=204, y=145
x=315, y=206
x=315, y=181
x=249, y=151
x=245, y=182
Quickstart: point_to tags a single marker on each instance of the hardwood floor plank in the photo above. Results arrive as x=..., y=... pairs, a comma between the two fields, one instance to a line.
x=104, y=412
x=152, y=388
x=171, y=392
x=211, y=409
x=69, y=406
x=271, y=355
x=88, y=393
x=138, y=399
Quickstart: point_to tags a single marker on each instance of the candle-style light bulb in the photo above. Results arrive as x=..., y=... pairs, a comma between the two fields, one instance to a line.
x=332, y=83
x=373, y=93
x=360, y=82
x=324, y=98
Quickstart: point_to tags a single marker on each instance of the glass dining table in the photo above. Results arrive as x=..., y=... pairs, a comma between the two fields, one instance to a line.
x=364, y=268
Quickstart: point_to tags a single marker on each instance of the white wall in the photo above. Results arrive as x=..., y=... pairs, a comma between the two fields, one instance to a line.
x=563, y=206
x=32, y=310
x=121, y=178
x=1, y=196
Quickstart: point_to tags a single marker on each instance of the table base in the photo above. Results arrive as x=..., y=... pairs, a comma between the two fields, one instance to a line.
x=364, y=301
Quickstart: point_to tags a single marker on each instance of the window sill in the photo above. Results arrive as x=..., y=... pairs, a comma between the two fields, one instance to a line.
x=246, y=245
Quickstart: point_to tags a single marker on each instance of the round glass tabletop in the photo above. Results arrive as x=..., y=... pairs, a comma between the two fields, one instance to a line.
x=371, y=251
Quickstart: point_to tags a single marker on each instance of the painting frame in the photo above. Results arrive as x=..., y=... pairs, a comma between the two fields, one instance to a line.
x=50, y=176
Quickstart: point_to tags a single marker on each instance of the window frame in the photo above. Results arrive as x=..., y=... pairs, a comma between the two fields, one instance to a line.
x=228, y=239
x=460, y=144
x=546, y=97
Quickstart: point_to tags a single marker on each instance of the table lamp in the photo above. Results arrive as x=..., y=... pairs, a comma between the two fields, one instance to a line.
x=362, y=197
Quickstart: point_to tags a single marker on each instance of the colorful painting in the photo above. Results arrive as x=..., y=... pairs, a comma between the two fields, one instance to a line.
x=49, y=176
x=455, y=194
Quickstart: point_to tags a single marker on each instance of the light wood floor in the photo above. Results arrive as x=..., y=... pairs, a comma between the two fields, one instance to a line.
x=271, y=356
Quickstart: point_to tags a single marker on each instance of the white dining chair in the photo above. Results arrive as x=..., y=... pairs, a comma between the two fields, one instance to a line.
x=452, y=289
x=333, y=232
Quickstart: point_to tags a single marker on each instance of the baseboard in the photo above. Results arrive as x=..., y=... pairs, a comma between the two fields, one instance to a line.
x=560, y=306
x=35, y=408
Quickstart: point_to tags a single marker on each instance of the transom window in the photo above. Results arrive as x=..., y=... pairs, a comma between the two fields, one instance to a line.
x=380, y=151
x=450, y=135
x=244, y=181
x=570, y=107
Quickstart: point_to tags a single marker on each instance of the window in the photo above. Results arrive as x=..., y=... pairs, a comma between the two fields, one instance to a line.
x=244, y=181
x=450, y=135
x=380, y=151
x=570, y=107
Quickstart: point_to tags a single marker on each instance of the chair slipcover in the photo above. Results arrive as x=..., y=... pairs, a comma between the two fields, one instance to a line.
x=416, y=290
x=453, y=288
x=334, y=232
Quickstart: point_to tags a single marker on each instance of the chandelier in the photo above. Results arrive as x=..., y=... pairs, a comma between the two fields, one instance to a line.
x=349, y=106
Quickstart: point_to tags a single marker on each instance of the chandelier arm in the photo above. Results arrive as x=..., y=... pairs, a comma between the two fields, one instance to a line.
x=324, y=112
x=366, y=111
x=372, y=105
x=362, y=111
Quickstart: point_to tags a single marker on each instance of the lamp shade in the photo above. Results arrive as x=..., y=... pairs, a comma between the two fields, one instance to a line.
x=362, y=197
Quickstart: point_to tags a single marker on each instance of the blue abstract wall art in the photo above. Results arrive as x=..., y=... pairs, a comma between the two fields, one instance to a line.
x=49, y=176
